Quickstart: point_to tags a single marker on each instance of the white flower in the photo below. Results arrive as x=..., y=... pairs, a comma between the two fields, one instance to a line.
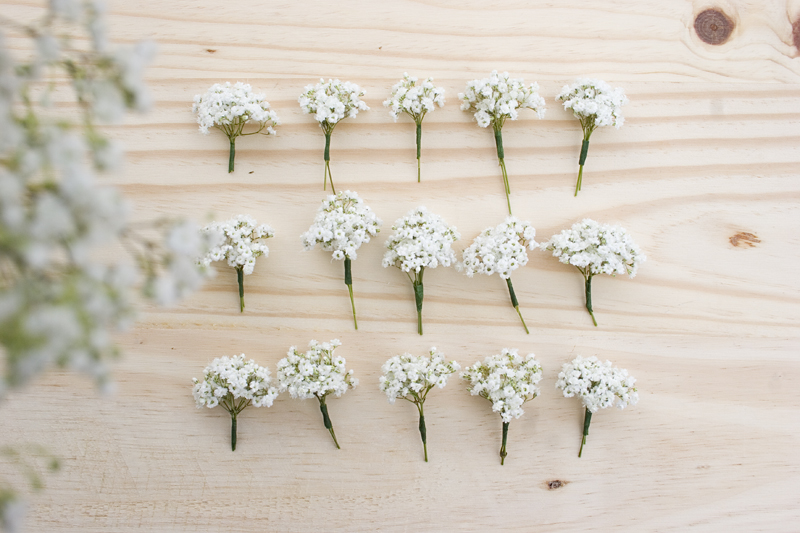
x=501, y=249
x=343, y=223
x=507, y=380
x=318, y=372
x=237, y=242
x=228, y=379
x=416, y=100
x=596, y=249
x=332, y=101
x=499, y=97
x=599, y=385
x=411, y=377
x=228, y=107
x=594, y=102
x=420, y=240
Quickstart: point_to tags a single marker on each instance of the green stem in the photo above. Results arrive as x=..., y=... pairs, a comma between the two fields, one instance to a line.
x=503, y=447
x=232, y=155
x=348, y=280
x=327, y=156
x=327, y=420
x=423, y=432
x=419, y=149
x=240, y=279
x=589, y=297
x=582, y=161
x=498, y=140
x=515, y=303
x=233, y=432
x=587, y=419
x=418, y=296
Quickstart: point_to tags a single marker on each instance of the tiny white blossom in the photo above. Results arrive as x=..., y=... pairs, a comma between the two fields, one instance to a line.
x=501, y=249
x=411, y=377
x=332, y=101
x=597, y=384
x=237, y=242
x=228, y=107
x=594, y=102
x=342, y=224
x=414, y=99
x=420, y=240
x=317, y=372
x=498, y=97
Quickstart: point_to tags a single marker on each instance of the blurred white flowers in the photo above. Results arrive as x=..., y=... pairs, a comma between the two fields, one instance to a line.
x=508, y=381
x=343, y=223
x=411, y=378
x=595, y=104
x=595, y=248
x=316, y=373
x=599, y=385
x=230, y=108
x=415, y=100
x=420, y=239
x=236, y=240
x=234, y=384
x=330, y=102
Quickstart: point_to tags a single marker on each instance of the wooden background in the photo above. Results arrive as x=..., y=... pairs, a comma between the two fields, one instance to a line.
x=709, y=329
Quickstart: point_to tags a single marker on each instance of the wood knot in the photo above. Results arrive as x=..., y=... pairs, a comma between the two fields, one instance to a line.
x=713, y=27
x=210, y=50
x=742, y=238
x=555, y=484
x=796, y=33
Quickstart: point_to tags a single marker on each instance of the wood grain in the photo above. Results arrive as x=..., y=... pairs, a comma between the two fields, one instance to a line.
x=709, y=151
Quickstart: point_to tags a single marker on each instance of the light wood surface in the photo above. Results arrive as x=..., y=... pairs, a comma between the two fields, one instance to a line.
x=709, y=150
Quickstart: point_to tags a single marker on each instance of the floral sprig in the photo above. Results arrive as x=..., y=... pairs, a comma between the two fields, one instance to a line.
x=508, y=381
x=599, y=385
x=234, y=384
x=331, y=102
x=411, y=378
x=595, y=248
x=237, y=242
x=415, y=100
x=230, y=108
x=501, y=249
x=496, y=99
x=316, y=374
x=343, y=223
x=595, y=104
x=420, y=240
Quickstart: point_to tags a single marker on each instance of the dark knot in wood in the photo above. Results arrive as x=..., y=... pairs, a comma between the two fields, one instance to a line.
x=796, y=33
x=713, y=27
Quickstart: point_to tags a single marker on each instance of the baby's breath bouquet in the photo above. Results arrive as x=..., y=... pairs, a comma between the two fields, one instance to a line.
x=315, y=374
x=508, y=381
x=496, y=99
x=415, y=100
x=599, y=385
x=501, y=249
x=411, y=378
x=331, y=102
x=595, y=248
x=236, y=241
x=343, y=223
x=421, y=240
x=234, y=384
x=230, y=108
x=595, y=104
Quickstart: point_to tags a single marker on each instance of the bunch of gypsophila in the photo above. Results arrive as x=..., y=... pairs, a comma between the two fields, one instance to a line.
x=230, y=108
x=236, y=240
x=508, y=381
x=234, y=384
x=343, y=223
x=331, y=102
x=316, y=374
x=420, y=240
x=599, y=385
x=495, y=99
x=415, y=101
x=62, y=295
x=595, y=104
x=501, y=249
x=411, y=378
x=595, y=248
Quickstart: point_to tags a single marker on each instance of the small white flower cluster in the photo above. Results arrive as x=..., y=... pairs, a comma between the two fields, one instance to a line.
x=407, y=374
x=596, y=248
x=343, y=223
x=507, y=380
x=416, y=100
x=594, y=100
x=181, y=276
x=499, y=97
x=501, y=249
x=332, y=101
x=236, y=241
x=420, y=240
x=226, y=105
x=318, y=372
x=235, y=377
x=599, y=385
